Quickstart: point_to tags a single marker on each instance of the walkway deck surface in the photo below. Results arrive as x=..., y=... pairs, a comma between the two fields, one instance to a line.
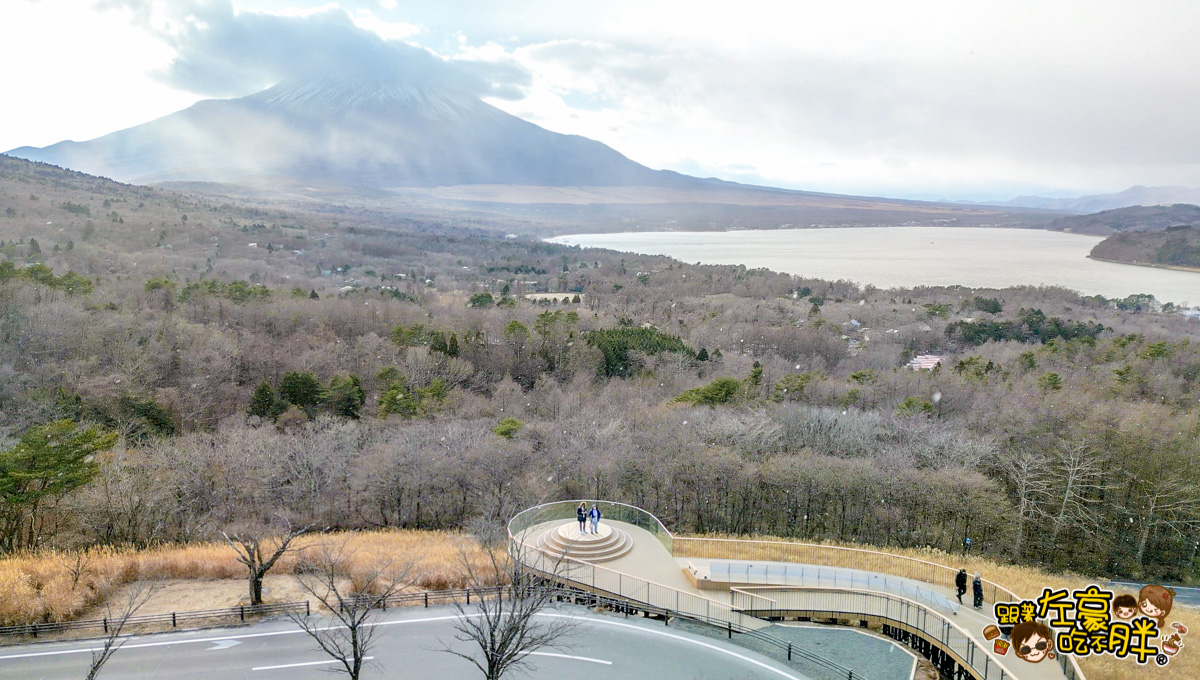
x=650, y=560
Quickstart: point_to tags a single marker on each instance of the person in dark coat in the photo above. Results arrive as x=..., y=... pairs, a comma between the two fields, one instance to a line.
x=581, y=515
x=960, y=583
x=977, y=590
x=594, y=517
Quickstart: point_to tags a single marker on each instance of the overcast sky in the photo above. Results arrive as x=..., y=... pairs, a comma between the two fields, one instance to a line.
x=972, y=100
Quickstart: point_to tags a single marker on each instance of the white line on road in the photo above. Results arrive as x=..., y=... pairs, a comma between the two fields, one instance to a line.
x=715, y=648
x=568, y=656
x=245, y=636
x=307, y=663
x=650, y=631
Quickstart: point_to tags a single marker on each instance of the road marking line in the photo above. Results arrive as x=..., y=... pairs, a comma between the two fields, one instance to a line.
x=246, y=636
x=568, y=656
x=652, y=631
x=422, y=620
x=307, y=663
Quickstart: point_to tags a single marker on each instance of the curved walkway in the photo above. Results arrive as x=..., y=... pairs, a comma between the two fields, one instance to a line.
x=651, y=573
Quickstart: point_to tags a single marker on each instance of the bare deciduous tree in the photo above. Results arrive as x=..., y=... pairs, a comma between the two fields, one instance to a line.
x=1080, y=476
x=504, y=626
x=77, y=563
x=118, y=614
x=1029, y=480
x=253, y=551
x=347, y=632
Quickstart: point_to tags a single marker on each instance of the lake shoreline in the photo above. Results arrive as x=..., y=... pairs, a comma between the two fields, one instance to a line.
x=1152, y=265
x=911, y=256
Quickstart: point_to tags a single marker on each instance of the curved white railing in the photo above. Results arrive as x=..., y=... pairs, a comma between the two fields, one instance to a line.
x=926, y=621
x=641, y=590
x=523, y=544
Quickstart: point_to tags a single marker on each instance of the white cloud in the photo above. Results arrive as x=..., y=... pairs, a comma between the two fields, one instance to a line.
x=388, y=30
x=866, y=96
x=72, y=73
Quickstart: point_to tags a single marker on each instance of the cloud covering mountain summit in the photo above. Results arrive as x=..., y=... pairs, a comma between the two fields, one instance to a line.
x=378, y=127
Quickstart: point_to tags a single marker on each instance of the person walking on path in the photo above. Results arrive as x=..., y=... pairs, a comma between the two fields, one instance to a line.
x=960, y=583
x=581, y=515
x=594, y=515
x=977, y=590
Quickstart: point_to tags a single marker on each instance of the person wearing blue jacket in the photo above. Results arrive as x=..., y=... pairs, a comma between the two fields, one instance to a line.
x=594, y=515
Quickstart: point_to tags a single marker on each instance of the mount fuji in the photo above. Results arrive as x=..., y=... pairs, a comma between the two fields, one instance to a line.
x=367, y=129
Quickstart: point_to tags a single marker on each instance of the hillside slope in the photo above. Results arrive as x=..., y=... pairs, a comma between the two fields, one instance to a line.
x=1137, y=218
x=1172, y=247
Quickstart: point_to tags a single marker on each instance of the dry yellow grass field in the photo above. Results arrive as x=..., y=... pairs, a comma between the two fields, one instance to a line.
x=43, y=586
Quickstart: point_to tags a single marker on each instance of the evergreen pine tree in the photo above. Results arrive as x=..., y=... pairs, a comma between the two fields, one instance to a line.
x=262, y=401
x=313, y=295
x=452, y=346
x=437, y=343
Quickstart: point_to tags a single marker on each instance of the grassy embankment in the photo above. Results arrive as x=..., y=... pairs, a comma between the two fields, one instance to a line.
x=43, y=586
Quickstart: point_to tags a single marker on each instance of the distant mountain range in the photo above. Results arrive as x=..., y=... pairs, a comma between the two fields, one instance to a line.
x=1138, y=195
x=399, y=141
x=361, y=130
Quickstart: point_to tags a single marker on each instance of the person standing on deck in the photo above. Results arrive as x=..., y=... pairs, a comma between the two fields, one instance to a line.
x=594, y=515
x=977, y=590
x=960, y=583
x=581, y=515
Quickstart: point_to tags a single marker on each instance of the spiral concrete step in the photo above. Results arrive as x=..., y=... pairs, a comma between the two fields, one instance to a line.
x=608, y=543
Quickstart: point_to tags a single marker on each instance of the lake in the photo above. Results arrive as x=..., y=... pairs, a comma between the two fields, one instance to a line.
x=914, y=256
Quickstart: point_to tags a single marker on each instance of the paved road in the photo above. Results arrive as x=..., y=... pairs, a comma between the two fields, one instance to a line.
x=407, y=642
x=1183, y=594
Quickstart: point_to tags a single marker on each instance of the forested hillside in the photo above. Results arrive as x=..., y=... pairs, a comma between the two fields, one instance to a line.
x=360, y=369
x=1177, y=246
x=1138, y=218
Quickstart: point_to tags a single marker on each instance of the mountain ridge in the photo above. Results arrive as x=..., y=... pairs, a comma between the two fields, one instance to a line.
x=1138, y=195
x=366, y=131
x=1144, y=218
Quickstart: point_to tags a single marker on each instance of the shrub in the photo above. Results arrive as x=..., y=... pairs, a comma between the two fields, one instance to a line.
x=719, y=391
x=508, y=428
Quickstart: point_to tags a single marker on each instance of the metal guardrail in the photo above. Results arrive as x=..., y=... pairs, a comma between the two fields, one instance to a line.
x=777, y=602
x=427, y=599
x=790, y=575
x=833, y=556
x=175, y=619
x=784, y=647
x=609, y=510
